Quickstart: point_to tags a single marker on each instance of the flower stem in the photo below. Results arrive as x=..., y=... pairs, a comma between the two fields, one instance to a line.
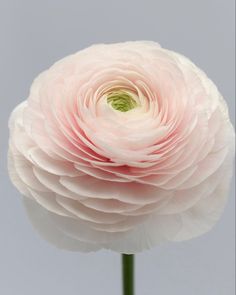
x=128, y=274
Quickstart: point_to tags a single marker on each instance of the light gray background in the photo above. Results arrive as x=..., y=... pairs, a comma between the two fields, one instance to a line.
x=33, y=35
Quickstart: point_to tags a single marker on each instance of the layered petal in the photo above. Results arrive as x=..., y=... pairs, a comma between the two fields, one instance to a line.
x=122, y=146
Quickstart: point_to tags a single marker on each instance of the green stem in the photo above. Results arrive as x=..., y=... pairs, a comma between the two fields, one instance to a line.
x=128, y=274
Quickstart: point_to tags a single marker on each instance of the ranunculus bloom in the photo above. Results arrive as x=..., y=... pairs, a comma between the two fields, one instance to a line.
x=122, y=146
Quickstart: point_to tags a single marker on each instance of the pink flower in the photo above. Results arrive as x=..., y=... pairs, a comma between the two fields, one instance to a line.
x=122, y=146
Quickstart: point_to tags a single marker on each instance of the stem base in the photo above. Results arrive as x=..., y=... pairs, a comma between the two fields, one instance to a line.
x=128, y=274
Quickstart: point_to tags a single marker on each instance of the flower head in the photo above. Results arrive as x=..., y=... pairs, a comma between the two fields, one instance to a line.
x=122, y=146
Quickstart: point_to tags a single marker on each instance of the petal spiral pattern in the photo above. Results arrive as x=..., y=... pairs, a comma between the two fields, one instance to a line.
x=122, y=146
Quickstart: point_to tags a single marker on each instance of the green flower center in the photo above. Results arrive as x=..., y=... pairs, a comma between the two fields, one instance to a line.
x=121, y=101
